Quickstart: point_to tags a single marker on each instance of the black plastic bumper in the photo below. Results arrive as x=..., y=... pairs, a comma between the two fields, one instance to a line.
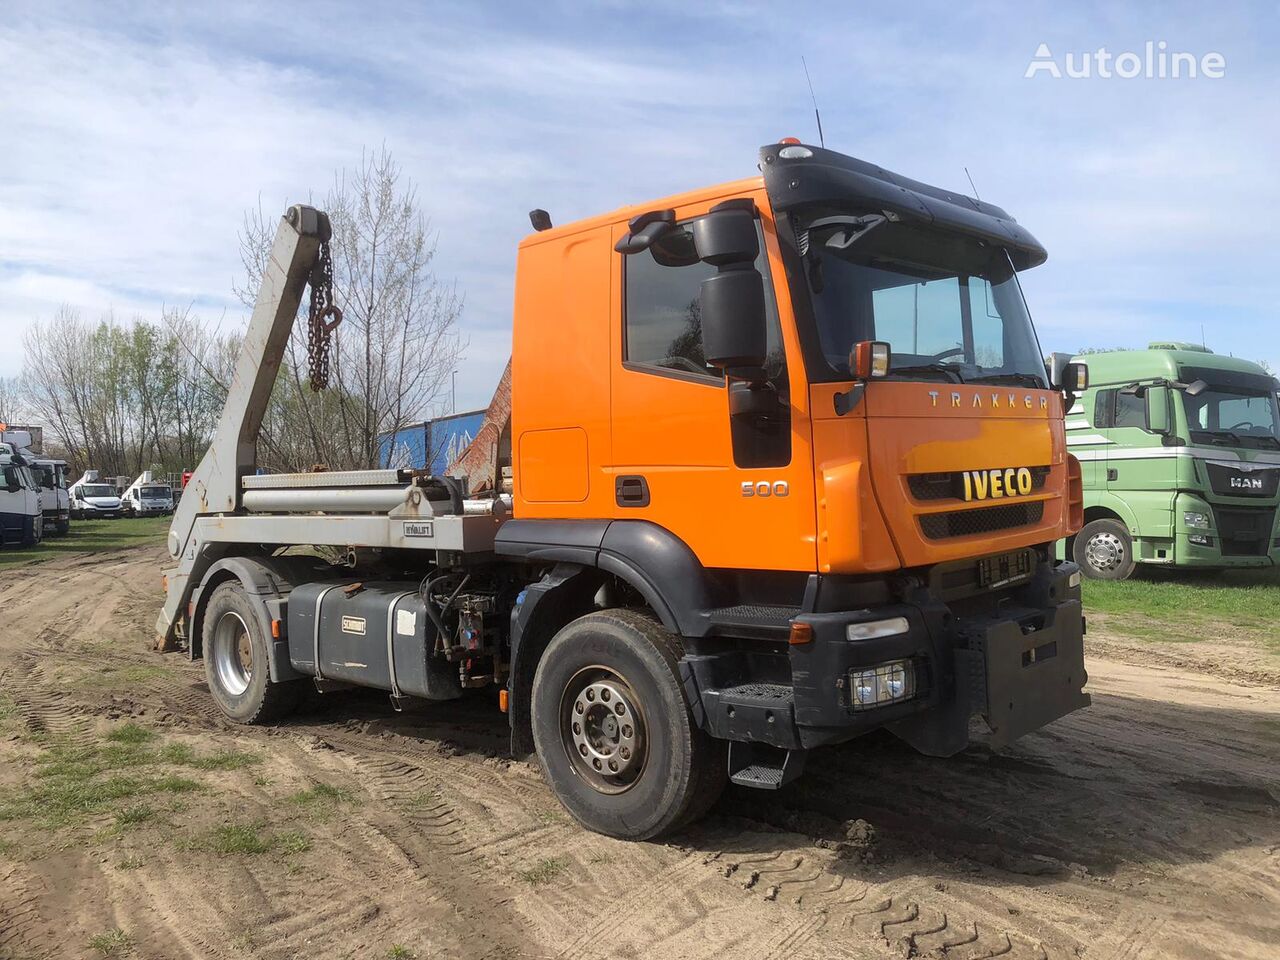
x=1020, y=670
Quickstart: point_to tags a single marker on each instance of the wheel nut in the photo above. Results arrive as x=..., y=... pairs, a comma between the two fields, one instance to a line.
x=619, y=709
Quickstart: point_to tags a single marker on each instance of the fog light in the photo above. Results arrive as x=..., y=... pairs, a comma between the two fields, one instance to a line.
x=1200, y=539
x=1073, y=580
x=884, y=683
x=877, y=628
x=1196, y=519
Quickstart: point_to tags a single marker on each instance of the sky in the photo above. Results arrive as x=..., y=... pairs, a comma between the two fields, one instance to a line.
x=136, y=136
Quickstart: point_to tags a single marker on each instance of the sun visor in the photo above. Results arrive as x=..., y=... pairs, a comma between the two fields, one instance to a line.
x=826, y=177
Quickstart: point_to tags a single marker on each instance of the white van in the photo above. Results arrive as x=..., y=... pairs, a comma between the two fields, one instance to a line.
x=147, y=497
x=92, y=497
x=21, y=521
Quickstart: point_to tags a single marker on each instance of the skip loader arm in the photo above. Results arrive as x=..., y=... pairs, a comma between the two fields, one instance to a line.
x=214, y=487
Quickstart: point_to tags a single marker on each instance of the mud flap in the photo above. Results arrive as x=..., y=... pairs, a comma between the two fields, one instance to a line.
x=1031, y=678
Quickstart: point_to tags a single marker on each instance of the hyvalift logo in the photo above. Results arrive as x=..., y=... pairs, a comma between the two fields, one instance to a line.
x=1155, y=62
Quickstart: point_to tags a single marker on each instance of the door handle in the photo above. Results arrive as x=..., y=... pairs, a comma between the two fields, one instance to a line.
x=631, y=492
x=1113, y=473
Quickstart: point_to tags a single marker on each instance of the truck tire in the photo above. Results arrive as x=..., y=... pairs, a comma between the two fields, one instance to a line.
x=1104, y=550
x=235, y=660
x=613, y=732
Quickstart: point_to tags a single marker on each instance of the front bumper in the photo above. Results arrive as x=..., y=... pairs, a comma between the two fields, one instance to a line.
x=1019, y=669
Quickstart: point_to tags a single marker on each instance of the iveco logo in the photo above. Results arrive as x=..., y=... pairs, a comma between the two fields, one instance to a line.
x=1246, y=483
x=765, y=488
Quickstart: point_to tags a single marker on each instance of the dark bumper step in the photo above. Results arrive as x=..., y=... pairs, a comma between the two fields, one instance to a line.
x=753, y=620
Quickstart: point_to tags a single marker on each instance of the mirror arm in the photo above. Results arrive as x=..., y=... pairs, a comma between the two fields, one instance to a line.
x=848, y=401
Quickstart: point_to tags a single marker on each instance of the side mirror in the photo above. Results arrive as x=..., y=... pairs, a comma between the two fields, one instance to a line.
x=1075, y=378
x=1196, y=387
x=734, y=330
x=1157, y=409
x=726, y=236
x=734, y=327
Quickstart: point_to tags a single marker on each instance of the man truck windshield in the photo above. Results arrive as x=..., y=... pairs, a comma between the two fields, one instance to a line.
x=950, y=309
x=1235, y=418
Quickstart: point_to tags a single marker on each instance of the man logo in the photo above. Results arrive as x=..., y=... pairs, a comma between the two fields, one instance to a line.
x=1246, y=483
x=765, y=488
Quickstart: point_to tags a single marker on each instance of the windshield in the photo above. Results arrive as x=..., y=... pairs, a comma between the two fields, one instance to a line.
x=950, y=309
x=97, y=490
x=1232, y=417
x=156, y=493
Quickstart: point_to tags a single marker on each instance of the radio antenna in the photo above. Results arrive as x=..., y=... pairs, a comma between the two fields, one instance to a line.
x=972, y=184
x=816, y=115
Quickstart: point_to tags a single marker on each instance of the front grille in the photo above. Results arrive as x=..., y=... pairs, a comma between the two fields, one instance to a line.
x=1230, y=481
x=946, y=486
x=967, y=523
x=1244, y=532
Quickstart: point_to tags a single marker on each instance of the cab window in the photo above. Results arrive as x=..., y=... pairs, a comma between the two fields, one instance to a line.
x=663, y=324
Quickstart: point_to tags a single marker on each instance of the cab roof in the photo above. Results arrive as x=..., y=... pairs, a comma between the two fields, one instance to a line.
x=1127, y=366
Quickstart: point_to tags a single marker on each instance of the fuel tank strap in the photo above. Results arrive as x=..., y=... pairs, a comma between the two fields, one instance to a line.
x=315, y=633
x=391, y=633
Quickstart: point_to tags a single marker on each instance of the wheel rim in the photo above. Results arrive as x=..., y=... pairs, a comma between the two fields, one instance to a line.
x=232, y=654
x=602, y=728
x=1105, y=551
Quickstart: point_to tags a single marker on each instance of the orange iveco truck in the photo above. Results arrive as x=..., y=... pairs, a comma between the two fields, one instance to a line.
x=782, y=466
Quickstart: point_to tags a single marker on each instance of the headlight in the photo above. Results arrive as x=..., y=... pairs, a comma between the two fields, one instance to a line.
x=877, y=628
x=1196, y=519
x=882, y=684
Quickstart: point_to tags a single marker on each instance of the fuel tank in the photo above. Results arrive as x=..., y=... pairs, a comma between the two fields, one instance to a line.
x=369, y=634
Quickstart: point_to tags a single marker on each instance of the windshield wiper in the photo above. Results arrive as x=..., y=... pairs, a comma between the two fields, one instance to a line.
x=1030, y=379
x=950, y=369
x=1221, y=437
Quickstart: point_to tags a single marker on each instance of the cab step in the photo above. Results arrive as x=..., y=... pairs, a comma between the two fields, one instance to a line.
x=762, y=767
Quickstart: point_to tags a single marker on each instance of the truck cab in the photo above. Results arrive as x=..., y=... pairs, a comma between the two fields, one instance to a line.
x=21, y=520
x=147, y=497
x=92, y=498
x=1180, y=449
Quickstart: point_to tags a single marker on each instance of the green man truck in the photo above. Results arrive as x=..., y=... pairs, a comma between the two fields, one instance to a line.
x=1180, y=452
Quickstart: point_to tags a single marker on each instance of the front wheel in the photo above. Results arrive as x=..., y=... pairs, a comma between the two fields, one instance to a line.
x=613, y=732
x=236, y=658
x=1104, y=550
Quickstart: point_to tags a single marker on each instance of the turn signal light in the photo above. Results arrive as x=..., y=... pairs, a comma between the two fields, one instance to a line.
x=870, y=358
x=275, y=629
x=800, y=633
x=504, y=700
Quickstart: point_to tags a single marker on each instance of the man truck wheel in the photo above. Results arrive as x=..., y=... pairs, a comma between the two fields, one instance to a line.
x=1104, y=550
x=235, y=660
x=613, y=732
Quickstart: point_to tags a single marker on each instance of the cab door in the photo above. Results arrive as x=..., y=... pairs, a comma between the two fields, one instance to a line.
x=1141, y=472
x=740, y=495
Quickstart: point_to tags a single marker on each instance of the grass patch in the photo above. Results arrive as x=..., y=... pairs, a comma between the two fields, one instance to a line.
x=182, y=755
x=130, y=863
x=130, y=733
x=134, y=815
x=90, y=536
x=121, y=676
x=399, y=951
x=75, y=782
x=320, y=801
x=112, y=943
x=544, y=871
x=250, y=840
x=1188, y=606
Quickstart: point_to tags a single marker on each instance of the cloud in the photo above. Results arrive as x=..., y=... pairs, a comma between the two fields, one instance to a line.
x=137, y=140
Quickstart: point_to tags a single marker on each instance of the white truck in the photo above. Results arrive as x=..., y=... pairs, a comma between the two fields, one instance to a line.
x=21, y=521
x=92, y=497
x=50, y=476
x=147, y=497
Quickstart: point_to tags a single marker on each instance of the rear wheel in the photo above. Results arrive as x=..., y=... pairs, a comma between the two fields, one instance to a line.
x=236, y=658
x=1104, y=550
x=613, y=732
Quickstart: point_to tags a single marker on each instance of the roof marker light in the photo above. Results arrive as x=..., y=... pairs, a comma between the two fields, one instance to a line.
x=793, y=152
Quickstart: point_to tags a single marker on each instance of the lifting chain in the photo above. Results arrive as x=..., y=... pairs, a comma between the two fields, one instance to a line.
x=324, y=315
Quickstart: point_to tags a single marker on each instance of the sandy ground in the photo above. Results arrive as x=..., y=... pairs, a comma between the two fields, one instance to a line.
x=1145, y=826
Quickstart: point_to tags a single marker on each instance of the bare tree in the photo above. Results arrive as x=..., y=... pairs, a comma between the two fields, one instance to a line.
x=397, y=344
x=11, y=404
